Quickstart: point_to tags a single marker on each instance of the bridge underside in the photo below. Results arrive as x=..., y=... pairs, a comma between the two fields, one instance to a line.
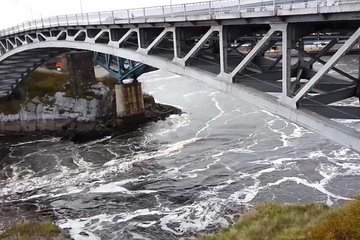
x=266, y=63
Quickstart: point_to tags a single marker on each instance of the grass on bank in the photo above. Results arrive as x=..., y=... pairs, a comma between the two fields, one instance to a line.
x=296, y=222
x=40, y=84
x=37, y=84
x=33, y=231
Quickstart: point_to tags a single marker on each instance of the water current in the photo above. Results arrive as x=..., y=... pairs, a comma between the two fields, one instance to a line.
x=190, y=174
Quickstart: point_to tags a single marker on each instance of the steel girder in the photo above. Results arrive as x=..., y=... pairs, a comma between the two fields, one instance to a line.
x=121, y=68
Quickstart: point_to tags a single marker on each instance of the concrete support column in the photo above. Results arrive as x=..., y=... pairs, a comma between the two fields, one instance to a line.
x=129, y=100
x=358, y=82
x=81, y=72
x=286, y=62
x=178, y=36
x=143, y=38
x=223, y=39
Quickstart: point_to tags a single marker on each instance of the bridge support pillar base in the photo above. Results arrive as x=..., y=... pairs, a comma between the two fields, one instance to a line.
x=80, y=68
x=129, y=100
x=288, y=102
x=225, y=77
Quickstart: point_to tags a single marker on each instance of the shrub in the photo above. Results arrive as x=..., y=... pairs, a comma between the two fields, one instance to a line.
x=33, y=231
x=296, y=222
x=340, y=224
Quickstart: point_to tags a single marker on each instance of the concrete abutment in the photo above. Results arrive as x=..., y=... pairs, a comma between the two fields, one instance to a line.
x=129, y=100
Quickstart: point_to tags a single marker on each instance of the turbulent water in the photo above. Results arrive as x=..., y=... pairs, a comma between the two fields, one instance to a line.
x=176, y=178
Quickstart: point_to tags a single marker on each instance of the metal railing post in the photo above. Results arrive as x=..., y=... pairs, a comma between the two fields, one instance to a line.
x=87, y=18
x=99, y=17
x=210, y=13
x=128, y=14
x=274, y=7
x=67, y=20
x=317, y=6
x=58, y=21
x=239, y=8
x=113, y=17
x=185, y=14
x=163, y=13
x=144, y=13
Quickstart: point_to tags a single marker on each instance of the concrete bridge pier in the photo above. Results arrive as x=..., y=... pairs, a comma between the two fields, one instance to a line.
x=129, y=100
x=128, y=96
x=80, y=68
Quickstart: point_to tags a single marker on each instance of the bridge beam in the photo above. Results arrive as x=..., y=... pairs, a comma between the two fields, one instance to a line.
x=223, y=42
x=327, y=67
x=259, y=46
x=158, y=39
x=331, y=97
x=318, y=59
x=126, y=36
x=200, y=43
x=323, y=51
x=286, y=62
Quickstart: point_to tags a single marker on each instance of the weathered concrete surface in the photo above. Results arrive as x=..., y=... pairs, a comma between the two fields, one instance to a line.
x=80, y=68
x=129, y=100
x=59, y=112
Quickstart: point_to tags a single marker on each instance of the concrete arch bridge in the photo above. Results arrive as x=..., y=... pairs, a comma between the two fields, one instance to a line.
x=205, y=41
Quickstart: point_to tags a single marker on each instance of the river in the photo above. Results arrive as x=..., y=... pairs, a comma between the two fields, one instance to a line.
x=176, y=178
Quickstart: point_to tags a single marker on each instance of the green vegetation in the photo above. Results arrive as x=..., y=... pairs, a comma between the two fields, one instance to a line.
x=40, y=84
x=33, y=231
x=296, y=222
x=37, y=84
x=108, y=81
x=10, y=106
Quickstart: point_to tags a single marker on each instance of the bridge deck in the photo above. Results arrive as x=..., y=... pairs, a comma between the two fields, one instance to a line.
x=202, y=11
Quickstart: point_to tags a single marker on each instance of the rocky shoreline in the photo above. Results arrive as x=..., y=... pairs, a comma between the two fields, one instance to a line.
x=80, y=131
x=78, y=119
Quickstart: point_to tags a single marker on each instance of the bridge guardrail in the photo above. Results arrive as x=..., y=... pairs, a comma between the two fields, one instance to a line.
x=178, y=12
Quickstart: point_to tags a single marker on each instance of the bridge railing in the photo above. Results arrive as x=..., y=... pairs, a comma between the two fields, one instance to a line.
x=180, y=12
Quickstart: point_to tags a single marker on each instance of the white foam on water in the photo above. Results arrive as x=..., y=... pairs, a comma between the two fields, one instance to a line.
x=317, y=185
x=159, y=78
x=116, y=187
x=177, y=122
x=97, y=141
x=53, y=140
x=247, y=194
x=139, y=236
x=221, y=113
x=188, y=95
x=77, y=226
x=194, y=218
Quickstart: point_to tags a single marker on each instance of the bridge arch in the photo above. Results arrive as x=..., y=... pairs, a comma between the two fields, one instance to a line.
x=266, y=26
x=53, y=47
